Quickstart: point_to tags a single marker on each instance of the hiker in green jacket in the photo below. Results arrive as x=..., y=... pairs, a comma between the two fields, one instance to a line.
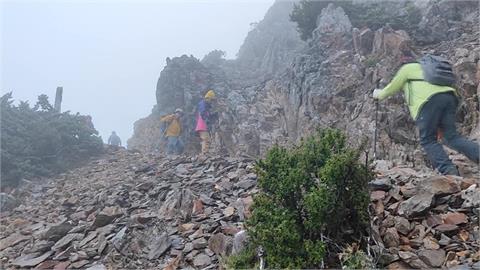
x=432, y=106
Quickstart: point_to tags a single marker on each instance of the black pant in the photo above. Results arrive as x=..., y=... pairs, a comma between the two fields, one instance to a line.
x=439, y=113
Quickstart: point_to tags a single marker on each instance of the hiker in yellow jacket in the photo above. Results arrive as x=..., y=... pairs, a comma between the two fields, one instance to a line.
x=173, y=132
x=433, y=107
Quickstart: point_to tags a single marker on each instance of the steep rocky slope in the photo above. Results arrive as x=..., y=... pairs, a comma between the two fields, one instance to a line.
x=280, y=88
x=129, y=210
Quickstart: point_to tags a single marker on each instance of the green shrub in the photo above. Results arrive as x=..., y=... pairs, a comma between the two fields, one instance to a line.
x=317, y=189
x=353, y=258
x=39, y=141
x=246, y=259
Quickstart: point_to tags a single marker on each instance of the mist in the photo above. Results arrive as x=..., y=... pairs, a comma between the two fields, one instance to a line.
x=108, y=55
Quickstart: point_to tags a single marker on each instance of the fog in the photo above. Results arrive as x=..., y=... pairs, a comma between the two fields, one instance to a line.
x=108, y=55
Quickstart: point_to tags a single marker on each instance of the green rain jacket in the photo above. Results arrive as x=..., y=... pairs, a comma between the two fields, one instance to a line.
x=417, y=93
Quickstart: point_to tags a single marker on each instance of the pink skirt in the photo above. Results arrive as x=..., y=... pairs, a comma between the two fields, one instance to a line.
x=201, y=125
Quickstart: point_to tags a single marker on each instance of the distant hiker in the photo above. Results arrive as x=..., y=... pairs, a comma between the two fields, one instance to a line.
x=173, y=131
x=432, y=101
x=114, y=139
x=203, y=117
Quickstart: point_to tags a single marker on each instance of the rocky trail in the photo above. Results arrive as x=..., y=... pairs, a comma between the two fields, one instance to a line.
x=136, y=211
x=421, y=220
x=131, y=211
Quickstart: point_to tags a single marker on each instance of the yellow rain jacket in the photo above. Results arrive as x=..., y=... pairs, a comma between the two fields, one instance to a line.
x=175, y=128
x=416, y=93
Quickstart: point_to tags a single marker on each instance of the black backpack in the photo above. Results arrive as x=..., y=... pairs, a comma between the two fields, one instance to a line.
x=437, y=70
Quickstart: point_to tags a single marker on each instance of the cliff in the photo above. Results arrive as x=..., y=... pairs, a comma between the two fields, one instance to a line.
x=280, y=88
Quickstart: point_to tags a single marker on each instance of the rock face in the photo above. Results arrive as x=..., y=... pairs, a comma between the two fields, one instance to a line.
x=281, y=88
x=137, y=213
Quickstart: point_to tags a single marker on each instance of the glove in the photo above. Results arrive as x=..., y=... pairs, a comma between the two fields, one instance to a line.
x=376, y=93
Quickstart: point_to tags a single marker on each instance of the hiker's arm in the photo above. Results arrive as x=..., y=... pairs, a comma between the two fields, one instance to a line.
x=167, y=118
x=395, y=85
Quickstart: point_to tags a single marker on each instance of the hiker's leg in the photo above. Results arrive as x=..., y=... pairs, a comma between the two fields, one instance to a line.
x=428, y=122
x=180, y=146
x=451, y=136
x=204, y=136
x=171, y=142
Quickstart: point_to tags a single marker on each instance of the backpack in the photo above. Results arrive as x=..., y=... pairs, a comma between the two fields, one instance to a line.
x=437, y=70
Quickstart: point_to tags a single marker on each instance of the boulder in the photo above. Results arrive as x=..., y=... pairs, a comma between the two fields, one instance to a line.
x=240, y=241
x=433, y=258
x=202, y=260
x=439, y=185
x=106, y=216
x=159, y=246
x=391, y=238
x=416, y=205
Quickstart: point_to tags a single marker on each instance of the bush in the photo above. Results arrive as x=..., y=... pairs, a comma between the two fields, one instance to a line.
x=245, y=259
x=400, y=15
x=316, y=190
x=353, y=258
x=39, y=142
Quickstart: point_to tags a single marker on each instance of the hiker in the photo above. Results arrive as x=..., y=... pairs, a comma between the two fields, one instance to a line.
x=432, y=101
x=173, y=131
x=114, y=139
x=204, y=113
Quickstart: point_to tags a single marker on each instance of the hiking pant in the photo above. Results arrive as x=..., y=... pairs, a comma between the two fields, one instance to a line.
x=205, y=138
x=438, y=114
x=174, y=145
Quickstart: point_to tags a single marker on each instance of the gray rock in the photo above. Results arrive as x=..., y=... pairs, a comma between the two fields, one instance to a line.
x=384, y=184
x=200, y=243
x=332, y=19
x=188, y=247
x=66, y=240
x=202, y=260
x=30, y=260
x=159, y=246
x=106, y=216
x=471, y=197
x=12, y=240
x=97, y=267
x=218, y=244
x=402, y=225
x=433, y=258
x=240, y=241
x=58, y=230
x=391, y=238
x=416, y=205
x=246, y=184
x=439, y=185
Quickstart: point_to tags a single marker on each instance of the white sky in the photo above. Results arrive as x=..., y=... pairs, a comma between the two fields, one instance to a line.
x=108, y=55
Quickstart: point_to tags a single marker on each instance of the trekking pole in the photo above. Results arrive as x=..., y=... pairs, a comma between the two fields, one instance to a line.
x=376, y=125
x=375, y=135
